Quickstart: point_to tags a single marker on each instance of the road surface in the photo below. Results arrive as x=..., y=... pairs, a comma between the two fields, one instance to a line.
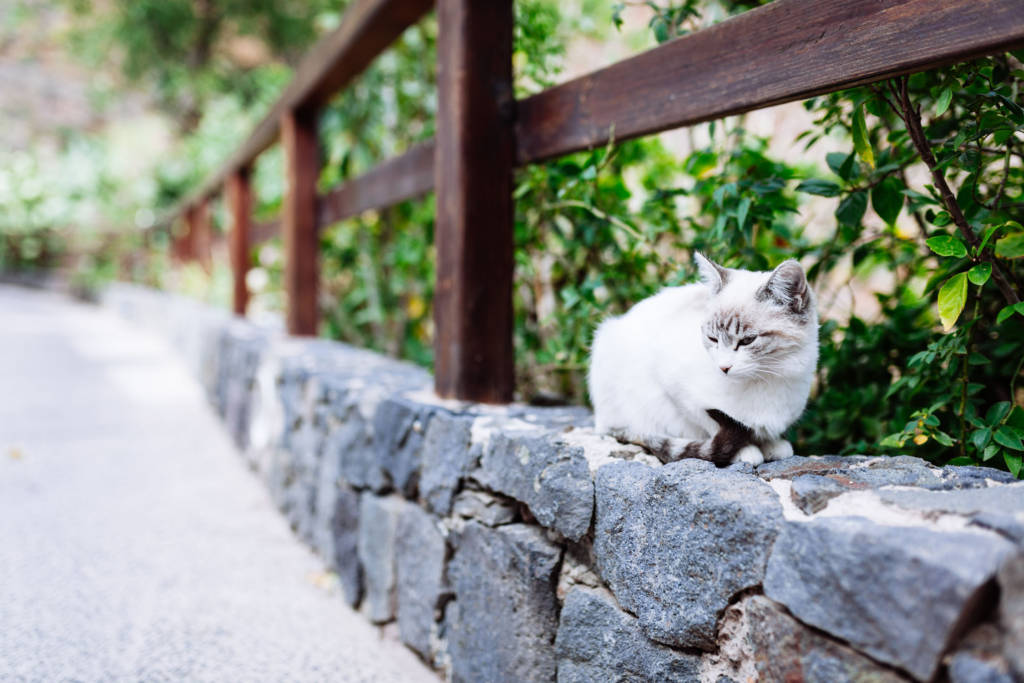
x=134, y=543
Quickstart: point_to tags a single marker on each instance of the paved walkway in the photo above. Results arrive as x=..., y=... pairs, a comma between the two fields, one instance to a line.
x=134, y=544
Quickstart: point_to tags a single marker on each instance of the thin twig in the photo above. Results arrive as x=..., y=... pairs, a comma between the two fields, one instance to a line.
x=912, y=119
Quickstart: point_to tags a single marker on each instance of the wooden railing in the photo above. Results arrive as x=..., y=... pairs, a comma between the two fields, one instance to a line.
x=787, y=50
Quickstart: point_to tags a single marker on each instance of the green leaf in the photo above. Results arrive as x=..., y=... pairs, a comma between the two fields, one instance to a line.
x=1009, y=437
x=997, y=411
x=841, y=164
x=943, y=438
x=952, y=298
x=892, y=441
x=851, y=210
x=1007, y=311
x=861, y=141
x=1013, y=463
x=742, y=211
x=962, y=460
x=887, y=199
x=990, y=450
x=980, y=273
x=942, y=103
x=822, y=188
x=980, y=438
x=1011, y=246
x=947, y=245
x=992, y=229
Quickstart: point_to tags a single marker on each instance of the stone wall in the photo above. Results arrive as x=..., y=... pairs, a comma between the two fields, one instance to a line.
x=515, y=544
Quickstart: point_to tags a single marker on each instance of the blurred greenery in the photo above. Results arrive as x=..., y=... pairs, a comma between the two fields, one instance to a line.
x=922, y=358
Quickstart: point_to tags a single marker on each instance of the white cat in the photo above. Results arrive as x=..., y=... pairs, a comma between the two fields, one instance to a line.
x=714, y=370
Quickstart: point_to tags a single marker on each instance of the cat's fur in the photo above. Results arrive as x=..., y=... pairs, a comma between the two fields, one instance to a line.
x=672, y=375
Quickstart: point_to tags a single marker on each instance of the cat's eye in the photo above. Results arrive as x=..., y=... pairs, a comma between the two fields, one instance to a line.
x=713, y=340
x=747, y=340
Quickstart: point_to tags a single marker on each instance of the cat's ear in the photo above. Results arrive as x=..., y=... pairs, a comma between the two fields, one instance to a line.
x=711, y=274
x=787, y=285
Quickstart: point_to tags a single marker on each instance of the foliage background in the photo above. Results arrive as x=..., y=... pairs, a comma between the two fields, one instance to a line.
x=922, y=338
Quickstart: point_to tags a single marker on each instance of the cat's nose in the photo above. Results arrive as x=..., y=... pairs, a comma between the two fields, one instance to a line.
x=725, y=368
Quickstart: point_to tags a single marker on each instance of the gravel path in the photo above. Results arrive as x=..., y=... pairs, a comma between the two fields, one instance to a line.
x=134, y=544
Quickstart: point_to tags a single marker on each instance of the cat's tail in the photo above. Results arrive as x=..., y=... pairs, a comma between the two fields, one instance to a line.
x=731, y=438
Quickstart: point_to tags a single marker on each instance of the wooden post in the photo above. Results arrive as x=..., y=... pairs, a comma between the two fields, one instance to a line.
x=473, y=354
x=201, y=235
x=301, y=268
x=183, y=241
x=239, y=193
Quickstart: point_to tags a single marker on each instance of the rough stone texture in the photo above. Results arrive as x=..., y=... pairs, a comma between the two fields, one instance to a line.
x=811, y=492
x=336, y=532
x=484, y=507
x=446, y=460
x=861, y=472
x=378, y=524
x=980, y=659
x=998, y=500
x=552, y=478
x=420, y=556
x=350, y=438
x=504, y=618
x=599, y=642
x=399, y=427
x=1011, y=610
x=675, y=544
x=790, y=468
x=783, y=649
x=880, y=587
x=241, y=347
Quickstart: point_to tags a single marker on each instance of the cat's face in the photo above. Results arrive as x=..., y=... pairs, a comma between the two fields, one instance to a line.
x=757, y=322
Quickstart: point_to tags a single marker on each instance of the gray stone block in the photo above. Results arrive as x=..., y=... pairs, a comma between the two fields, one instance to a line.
x=552, y=478
x=1011, y=610
x=812, y=492
x=599, y=642
x=503, y=621
x=446, y=460
x=378, y=527
x=484, y=507
x=880, y=588
x=420, y=554
x=790, y=468
x=979, y=658
x=399, y=426
x=676, y=543
x=783, y=649
x=336, y=531
x=1007, y=499
x=351, y=440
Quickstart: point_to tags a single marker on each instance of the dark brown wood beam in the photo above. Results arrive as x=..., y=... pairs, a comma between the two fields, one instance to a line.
x=301, y=242
x=473, y=180
x=785, y=51
x=239, y=191
x=404, y=177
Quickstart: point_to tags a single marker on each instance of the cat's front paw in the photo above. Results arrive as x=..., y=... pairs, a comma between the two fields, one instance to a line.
x=777, y=450
x=751, y=454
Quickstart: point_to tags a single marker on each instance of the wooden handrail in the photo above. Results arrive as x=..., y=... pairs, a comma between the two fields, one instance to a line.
x=367, y=28
x=403, y=177
x=784, y=51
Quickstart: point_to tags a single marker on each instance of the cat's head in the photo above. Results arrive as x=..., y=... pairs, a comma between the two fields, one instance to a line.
x=758, y=324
